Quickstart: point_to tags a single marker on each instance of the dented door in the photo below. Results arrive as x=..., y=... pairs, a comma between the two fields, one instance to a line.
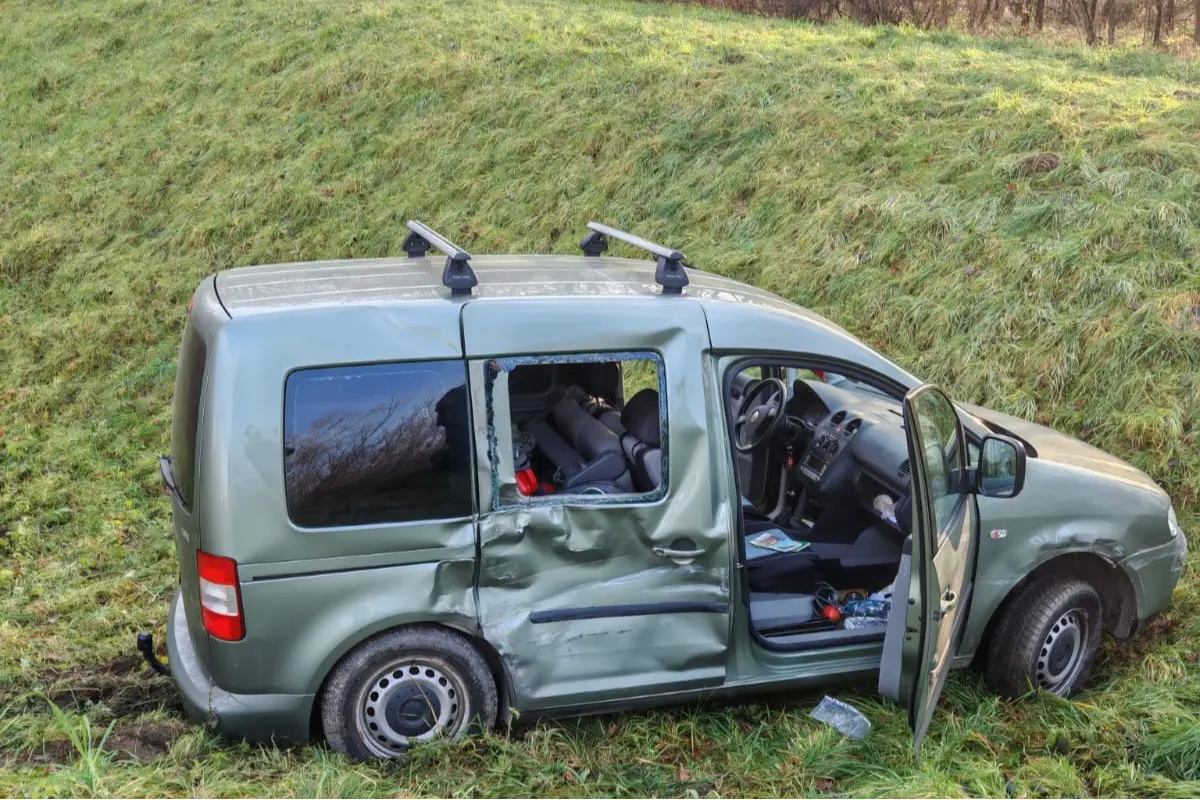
x=594, y=599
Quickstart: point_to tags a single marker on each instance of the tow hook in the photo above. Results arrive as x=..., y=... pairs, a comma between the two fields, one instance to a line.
x=145, y=646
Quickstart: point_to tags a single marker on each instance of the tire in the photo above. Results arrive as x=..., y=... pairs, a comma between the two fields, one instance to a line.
x=1046, y=639
x=405, y=687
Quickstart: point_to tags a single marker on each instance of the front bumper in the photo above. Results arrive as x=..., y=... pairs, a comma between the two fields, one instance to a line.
x=278, y=718
x=1155, y=573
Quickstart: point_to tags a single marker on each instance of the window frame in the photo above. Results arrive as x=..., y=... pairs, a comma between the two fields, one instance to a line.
x=471, y=502
x=504, y=494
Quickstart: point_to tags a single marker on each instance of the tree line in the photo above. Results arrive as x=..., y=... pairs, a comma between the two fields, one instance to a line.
x=1156, y=21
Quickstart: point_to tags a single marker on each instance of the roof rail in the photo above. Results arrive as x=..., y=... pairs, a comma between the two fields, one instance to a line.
x=457, y=275
x=670, y=273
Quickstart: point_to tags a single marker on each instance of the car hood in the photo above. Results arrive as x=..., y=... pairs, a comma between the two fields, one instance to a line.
x=1059, y=448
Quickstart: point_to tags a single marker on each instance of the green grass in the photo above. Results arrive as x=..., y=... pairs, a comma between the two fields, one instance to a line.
x=1017, y=222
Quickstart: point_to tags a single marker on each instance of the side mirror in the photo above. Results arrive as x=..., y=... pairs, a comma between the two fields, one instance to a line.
x=1001, y=470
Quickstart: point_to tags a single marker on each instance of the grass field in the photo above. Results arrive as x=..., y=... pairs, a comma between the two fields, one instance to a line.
x=1017, y=222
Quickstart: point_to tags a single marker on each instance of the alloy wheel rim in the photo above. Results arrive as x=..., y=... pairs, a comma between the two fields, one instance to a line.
x=406, y=703
x=1061, y=657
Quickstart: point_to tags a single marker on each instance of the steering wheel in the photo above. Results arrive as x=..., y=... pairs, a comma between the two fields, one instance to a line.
x=759, y=414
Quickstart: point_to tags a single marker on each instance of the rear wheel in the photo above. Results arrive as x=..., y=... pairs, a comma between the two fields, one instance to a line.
x=405, y=687
x=1046, y=639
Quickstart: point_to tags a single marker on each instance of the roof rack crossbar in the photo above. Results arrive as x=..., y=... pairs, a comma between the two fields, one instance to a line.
x=669, y=273
x=457, y=275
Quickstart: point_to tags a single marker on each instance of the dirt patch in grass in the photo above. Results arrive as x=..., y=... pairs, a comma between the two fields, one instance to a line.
x=1038, y=164
x=144, y=741
x=125, y=686
x=56, y=752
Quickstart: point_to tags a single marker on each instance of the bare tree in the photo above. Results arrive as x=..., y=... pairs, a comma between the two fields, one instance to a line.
x=1087, y=18
x=1039, y=16
x=1110, y=17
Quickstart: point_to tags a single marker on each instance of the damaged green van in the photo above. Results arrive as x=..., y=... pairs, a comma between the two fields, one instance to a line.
x=412, y=496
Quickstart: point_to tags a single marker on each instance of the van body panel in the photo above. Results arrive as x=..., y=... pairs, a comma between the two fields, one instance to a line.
x=573, y=592
x=347, y=578
x=262, y=717
x=297, y=628
x=243, y=457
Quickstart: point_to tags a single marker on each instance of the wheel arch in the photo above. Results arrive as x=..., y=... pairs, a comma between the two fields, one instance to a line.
x=485, y=648
x=1118, y=599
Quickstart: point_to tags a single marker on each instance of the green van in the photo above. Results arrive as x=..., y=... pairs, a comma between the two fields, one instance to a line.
x=411, y=497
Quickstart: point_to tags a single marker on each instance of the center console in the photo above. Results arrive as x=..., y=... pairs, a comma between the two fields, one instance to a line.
x=828, y=440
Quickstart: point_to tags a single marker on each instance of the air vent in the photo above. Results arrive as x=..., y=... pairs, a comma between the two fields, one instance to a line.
x=905, y=469
x=852, y=426
x=837, y=418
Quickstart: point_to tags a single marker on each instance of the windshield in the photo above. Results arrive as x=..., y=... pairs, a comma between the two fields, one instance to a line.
x=841, y=381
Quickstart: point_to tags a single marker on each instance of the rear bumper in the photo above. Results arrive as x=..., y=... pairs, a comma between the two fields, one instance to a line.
x=278, y=718
x=1155, y=573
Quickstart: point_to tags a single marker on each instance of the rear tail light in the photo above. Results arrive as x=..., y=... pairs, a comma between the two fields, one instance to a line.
x=220, y=597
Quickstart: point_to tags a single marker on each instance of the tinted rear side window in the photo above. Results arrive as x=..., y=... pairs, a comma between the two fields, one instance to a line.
x=377, y=443
x=189, y=384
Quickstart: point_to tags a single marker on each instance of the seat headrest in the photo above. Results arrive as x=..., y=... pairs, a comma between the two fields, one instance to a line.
x=640, y=417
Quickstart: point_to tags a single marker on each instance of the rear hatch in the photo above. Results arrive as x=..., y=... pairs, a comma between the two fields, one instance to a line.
x=180, y=469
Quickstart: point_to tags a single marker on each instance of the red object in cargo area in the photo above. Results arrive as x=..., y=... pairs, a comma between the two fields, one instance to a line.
x=527, y=482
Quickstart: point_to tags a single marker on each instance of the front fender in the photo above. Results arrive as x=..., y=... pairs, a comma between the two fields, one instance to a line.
x=1063, y=511
x=297, y=628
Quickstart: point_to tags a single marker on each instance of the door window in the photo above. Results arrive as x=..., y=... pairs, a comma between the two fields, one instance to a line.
x=189, y=383
x=579, y=428
x=942, y=452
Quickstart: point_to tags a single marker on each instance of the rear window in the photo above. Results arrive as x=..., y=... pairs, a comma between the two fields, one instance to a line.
x=189, y=383
x=377, y=443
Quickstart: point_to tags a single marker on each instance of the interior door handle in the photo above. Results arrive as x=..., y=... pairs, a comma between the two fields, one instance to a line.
x=678, y=556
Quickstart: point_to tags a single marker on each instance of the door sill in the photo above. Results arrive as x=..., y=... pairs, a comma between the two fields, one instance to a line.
x=818, y=640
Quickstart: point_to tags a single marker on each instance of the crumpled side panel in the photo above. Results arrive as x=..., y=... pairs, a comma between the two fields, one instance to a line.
x=577, y=593
x=573, y=562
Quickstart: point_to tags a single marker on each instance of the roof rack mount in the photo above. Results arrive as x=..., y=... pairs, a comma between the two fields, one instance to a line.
x=457, y=275
x=669, y=273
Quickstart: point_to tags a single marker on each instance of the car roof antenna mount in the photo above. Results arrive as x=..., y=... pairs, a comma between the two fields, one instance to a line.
x=669, y=273
x=457, y=275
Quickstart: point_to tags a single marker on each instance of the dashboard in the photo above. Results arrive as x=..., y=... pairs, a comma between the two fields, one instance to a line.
x=853, y=444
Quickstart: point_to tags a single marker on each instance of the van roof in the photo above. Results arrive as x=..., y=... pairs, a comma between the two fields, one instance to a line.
x=376, y=281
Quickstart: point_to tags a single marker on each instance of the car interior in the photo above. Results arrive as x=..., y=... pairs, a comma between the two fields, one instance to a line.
x=575, y=432
x=822, y=465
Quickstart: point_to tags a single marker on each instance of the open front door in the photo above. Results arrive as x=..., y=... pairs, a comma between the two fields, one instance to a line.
x=920, y=644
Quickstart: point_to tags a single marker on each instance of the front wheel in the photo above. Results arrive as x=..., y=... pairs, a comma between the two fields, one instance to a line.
x=1046, y=639
x=405, y=687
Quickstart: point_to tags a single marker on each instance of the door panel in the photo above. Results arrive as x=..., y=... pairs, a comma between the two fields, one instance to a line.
x=944, y=540
x=592, y=599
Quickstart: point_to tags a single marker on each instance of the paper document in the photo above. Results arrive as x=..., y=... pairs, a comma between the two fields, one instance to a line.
x=778, y=542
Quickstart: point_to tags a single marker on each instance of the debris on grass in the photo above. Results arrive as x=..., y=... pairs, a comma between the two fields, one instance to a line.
x=843, y=717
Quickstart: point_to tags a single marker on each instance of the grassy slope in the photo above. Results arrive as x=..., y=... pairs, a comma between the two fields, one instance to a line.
x=883, y=177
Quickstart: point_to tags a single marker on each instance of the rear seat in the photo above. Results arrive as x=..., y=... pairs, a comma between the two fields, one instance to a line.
x=640, y=434
x=587, y=453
